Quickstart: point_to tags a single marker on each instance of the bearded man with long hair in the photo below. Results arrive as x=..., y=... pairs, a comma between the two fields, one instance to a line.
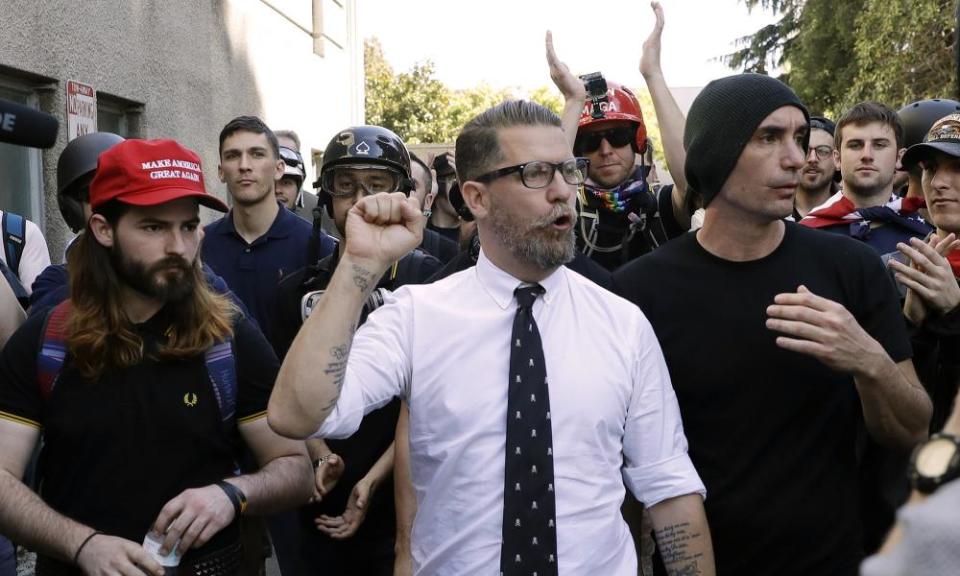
x=157, y=382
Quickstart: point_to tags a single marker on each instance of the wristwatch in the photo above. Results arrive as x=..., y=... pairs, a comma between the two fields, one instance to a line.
x=935, y=462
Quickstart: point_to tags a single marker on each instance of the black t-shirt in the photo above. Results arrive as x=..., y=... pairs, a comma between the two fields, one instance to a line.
x=118, y=449
x=452, y=234
x=440, y=247
x=771, y=432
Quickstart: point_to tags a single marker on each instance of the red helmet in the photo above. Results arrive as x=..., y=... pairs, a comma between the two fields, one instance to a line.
x=619, y=104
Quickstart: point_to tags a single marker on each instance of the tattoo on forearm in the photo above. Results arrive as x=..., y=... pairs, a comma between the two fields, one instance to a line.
x=337, y=367
x=675, y=542
x=361, y=277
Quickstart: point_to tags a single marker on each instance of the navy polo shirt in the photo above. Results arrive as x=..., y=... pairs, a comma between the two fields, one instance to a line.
x=253, y=271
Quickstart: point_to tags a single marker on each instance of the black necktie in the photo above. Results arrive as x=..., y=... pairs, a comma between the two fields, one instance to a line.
x=529, y=508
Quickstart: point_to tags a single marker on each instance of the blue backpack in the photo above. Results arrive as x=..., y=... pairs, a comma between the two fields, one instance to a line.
x=14, y=240
x=219, y=361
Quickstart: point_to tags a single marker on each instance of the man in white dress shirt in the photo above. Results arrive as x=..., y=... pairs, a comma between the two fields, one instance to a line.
x=612, y=421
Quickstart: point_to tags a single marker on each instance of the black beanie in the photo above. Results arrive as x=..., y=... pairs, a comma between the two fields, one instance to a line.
x=721, y=121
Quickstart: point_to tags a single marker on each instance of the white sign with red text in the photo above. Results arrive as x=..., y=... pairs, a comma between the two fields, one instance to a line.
x=81, y=109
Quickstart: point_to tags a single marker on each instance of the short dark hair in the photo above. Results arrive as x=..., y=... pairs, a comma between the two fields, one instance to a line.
x=426, y=170
x=867, y=113
x=249, y=124
x=478, y=147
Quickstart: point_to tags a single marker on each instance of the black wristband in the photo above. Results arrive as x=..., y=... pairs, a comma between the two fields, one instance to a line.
x=76, y=555
x=236, y=496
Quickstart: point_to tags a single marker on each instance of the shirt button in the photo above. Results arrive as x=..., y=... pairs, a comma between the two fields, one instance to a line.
x=247, y=250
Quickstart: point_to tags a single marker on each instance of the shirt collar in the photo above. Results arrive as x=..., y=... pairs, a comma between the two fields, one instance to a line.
x=499, y=284
x=278, y=229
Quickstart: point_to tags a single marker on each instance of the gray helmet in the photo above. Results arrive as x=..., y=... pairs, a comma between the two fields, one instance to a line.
x=918, y=117
x=77, y=160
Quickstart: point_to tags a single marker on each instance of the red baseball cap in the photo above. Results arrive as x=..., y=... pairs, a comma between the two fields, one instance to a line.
x=149, y=173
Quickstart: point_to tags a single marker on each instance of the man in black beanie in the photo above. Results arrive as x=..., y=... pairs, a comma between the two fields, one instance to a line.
x=779, y=339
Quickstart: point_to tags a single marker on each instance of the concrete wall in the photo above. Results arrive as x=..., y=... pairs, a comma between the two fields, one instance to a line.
x=193, y=65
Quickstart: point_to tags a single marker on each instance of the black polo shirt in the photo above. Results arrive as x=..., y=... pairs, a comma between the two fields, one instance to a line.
x=252, y=271
x=118, y=449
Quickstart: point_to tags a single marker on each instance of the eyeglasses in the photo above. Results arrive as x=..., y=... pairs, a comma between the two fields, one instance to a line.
x=616, y=137
x=346, y=181
x=539, y=173
x=823, y=152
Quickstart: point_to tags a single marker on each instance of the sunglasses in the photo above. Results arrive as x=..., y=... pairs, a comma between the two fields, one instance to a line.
x=616, y=137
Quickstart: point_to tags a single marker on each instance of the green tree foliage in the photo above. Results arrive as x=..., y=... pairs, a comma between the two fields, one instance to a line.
x=915, y=39
x=413, y=104
x=767, y=47
x=835, y=54
x=548, y=96
x=420, y=108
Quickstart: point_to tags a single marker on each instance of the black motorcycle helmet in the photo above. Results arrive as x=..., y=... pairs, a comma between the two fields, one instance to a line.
x=364, y=145
x=918, y=117
x=75, y=170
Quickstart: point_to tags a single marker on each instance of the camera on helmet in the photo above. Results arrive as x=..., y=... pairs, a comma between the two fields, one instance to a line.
x=596, y=86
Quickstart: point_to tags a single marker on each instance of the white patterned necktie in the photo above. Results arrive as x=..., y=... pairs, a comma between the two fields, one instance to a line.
x=529, y=503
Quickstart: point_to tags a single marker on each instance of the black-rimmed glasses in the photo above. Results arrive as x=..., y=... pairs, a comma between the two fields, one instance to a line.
x=539, y=173
x=822, y=152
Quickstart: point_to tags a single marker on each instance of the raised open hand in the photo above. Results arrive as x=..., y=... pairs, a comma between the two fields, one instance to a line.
x=650, y=59
x=569, y=85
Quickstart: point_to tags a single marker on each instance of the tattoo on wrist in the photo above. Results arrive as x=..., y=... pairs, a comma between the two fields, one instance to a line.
x=361, y=277
x=675, y=542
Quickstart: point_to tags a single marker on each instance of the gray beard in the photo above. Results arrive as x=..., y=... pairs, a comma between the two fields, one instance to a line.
x=533, y=243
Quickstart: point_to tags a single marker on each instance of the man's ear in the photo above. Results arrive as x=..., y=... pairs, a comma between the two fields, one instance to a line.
x=477, y=198
x=220, y=175
x=900, y=154
x=281, y=168
x=102, y=230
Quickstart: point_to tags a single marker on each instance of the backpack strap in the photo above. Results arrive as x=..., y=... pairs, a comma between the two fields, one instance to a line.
x=14, y=281
x=222, y=370
x=219, y=361
x=53, y=348
x=14, y=233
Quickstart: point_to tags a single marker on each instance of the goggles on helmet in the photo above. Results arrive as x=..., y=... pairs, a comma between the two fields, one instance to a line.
x=346, y=180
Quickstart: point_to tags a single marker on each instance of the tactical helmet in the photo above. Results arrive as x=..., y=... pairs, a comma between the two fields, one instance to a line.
x=918, y=117
x=77, y=160
x=371, y=145
x=620, y=104
x=293, y=165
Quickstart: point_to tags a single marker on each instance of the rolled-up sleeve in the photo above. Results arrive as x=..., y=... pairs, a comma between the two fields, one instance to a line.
x=378, y=368
x=656, y=465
